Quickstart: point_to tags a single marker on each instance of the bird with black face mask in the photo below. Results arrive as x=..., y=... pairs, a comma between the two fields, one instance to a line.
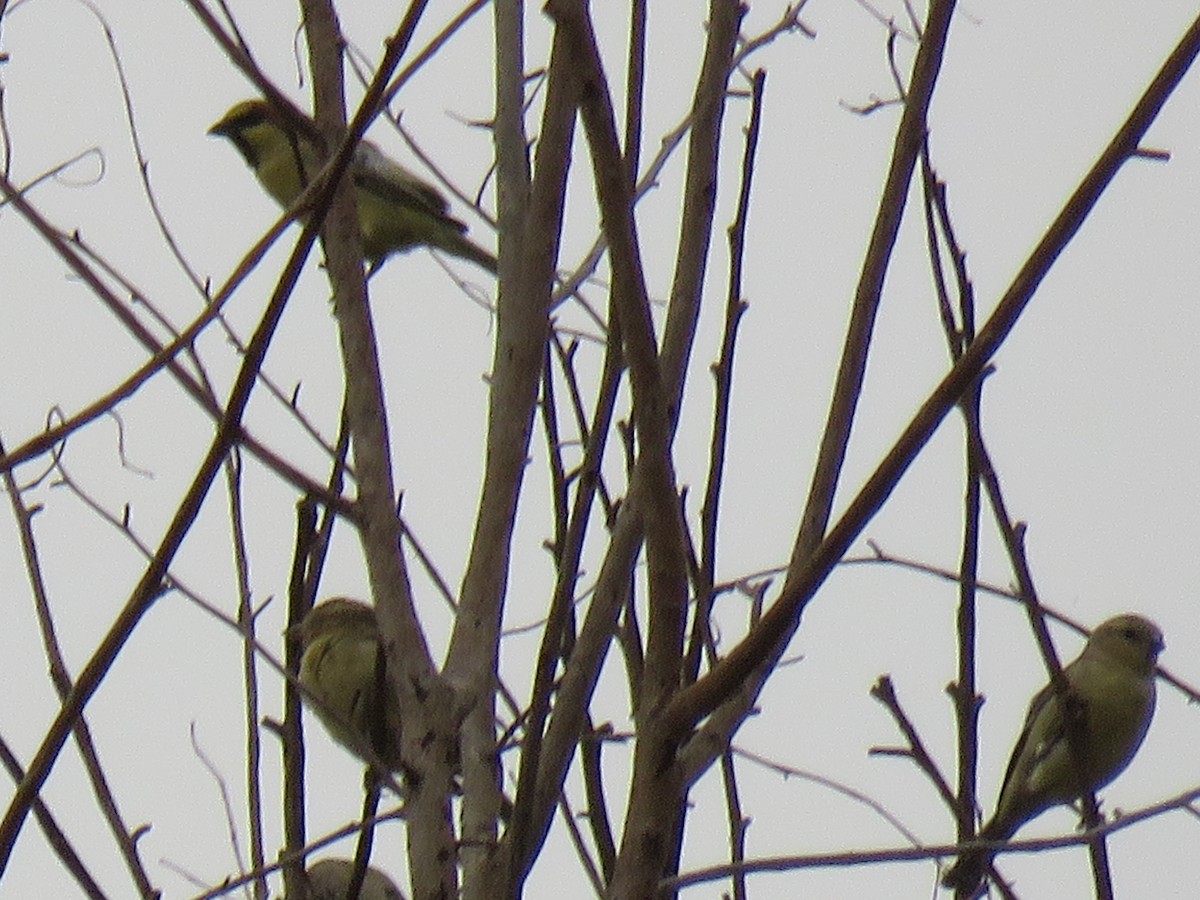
x=396, y=210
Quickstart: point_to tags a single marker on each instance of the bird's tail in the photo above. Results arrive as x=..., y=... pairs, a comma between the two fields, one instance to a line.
x=966, y=875
x=463, y=247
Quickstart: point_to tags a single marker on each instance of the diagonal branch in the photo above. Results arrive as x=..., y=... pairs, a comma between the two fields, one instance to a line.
x=806, y=575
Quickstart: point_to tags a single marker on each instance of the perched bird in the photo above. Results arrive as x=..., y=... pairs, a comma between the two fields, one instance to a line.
x=329, y=878
x=343, y=668
x=396, y=210
x=1113, y=681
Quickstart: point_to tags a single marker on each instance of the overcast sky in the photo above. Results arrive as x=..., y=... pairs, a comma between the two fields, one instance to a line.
x=1091, y=414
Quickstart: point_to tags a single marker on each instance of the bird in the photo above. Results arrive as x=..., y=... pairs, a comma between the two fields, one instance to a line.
x=342, y=667
x=344, y=674
x=329, y=878
x=397, y=211
x=1113, y=682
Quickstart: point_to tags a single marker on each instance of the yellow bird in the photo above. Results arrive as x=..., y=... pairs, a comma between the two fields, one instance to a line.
x=1113, y=680
x=343, y=668
x=396, y=210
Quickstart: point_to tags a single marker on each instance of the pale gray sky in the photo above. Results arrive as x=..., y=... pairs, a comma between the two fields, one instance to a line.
x=1091, y=413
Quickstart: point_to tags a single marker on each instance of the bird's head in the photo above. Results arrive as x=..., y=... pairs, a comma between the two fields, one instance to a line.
x=248, y=125
x=336, y=615
x=1130, y=639
x=257, y=128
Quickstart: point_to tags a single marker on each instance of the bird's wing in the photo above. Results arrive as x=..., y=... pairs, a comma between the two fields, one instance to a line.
x=375, y=172
x=1043, y=731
